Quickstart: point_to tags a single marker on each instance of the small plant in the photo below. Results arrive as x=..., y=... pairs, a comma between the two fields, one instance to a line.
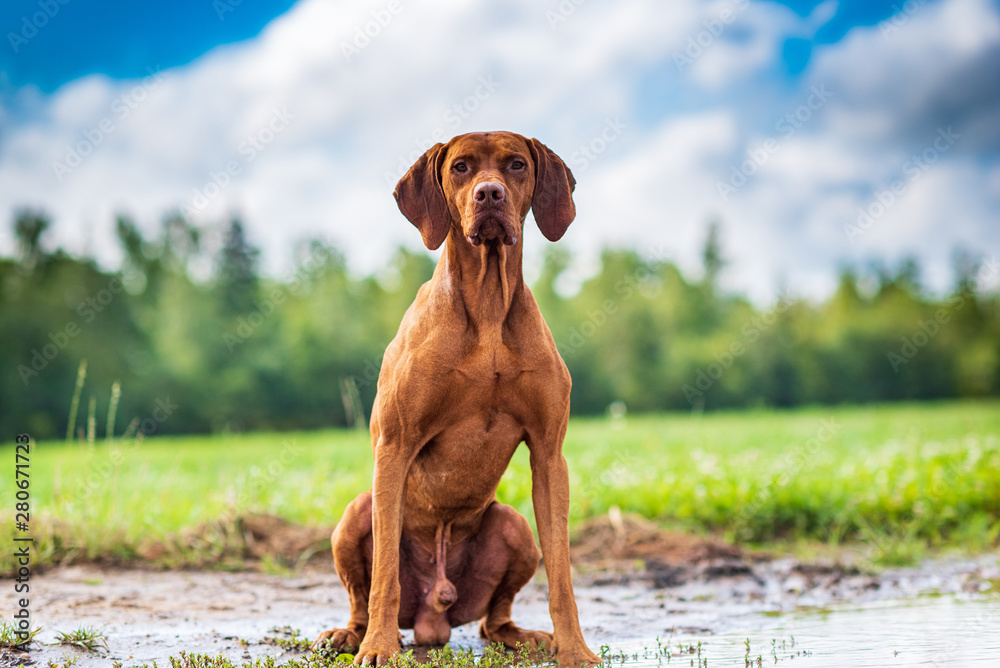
x=9, y=638
x=67, y=662
x=289, y=639
x=86, y=638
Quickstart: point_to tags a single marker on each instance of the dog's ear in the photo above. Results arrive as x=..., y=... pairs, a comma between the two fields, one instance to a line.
x=420, y=197
x=552, y=201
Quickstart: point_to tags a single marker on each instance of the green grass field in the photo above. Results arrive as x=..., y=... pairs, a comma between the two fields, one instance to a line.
x=899, y=477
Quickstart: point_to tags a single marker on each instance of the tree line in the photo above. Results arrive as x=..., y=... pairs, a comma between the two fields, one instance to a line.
x=194, y=339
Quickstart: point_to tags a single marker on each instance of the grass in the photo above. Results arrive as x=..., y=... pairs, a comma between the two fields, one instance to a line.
x=87, y=638
x=9, y=638
x=898, y=479
x=493, y=656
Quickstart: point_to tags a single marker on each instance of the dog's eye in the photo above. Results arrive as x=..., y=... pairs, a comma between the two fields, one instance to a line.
x=460, y=167
x=517, y=164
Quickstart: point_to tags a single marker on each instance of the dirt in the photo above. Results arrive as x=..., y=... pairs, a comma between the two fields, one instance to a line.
x=248, y=539
x=608, y=540
x=633, y=583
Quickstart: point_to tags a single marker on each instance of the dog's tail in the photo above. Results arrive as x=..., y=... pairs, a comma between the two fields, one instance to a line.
x=443, y=594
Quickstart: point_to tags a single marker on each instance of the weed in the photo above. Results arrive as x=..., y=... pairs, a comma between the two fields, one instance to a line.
x=289, y=639
x=494, y=656
x=9, y=638
x=86, y=638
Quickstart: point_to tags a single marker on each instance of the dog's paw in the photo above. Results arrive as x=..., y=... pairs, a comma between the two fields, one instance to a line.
x=574, y=657
x=513, y=636
x=376, y=649
x=342, y=640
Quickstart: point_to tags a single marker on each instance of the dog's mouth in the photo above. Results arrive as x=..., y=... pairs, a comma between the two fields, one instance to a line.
x=489, y=226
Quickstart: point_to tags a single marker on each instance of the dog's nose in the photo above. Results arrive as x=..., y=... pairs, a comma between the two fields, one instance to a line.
x=488, y=192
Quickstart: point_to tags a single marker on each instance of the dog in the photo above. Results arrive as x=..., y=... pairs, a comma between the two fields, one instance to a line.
x=472, y=373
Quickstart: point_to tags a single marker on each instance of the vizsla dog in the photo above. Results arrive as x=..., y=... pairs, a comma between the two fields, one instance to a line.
x=472, y=373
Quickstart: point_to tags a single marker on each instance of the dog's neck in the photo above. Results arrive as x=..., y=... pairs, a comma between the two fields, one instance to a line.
x=484, y=280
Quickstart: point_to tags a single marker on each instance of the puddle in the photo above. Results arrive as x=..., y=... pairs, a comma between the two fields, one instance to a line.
x=943, y=631
x=944, y=613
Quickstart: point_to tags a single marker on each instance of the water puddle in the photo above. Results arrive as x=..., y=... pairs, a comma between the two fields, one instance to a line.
x=944, y=613
x=939, y=631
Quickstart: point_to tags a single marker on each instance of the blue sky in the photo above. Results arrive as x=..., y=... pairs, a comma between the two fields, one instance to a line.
x=121, y=38
x=288, y=114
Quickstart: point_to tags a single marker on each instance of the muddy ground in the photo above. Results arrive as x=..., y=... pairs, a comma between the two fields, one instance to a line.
x=633, y=583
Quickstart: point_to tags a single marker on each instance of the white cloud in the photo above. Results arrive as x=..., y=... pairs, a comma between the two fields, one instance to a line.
x=325, y=174
x=738, y=39
x=896, y=75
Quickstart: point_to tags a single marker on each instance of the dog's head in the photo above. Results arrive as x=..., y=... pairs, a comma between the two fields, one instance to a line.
x=483, y=184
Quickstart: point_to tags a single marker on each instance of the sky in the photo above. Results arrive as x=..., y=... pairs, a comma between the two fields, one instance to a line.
x=821, y=135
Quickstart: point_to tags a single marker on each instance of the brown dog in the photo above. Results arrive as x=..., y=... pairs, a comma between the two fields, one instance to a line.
x=472, y=373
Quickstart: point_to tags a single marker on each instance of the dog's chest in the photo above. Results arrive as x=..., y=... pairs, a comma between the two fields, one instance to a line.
x=488, y=378
x=461, y=467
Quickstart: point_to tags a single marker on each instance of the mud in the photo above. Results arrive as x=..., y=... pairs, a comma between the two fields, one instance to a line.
x=635, y=587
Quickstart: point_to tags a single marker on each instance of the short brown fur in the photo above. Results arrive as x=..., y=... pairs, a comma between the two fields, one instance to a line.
x=472, y=373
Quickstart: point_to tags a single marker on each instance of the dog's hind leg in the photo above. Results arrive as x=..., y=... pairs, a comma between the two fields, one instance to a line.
x=521, y=566
x=502, y=559
x=352, y=556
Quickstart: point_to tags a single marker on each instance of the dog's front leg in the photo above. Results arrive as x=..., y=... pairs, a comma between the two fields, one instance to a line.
x=382, y=638
x=550, y=497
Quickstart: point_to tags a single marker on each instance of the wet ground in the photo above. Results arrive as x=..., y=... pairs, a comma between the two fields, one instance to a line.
x=943, y=613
